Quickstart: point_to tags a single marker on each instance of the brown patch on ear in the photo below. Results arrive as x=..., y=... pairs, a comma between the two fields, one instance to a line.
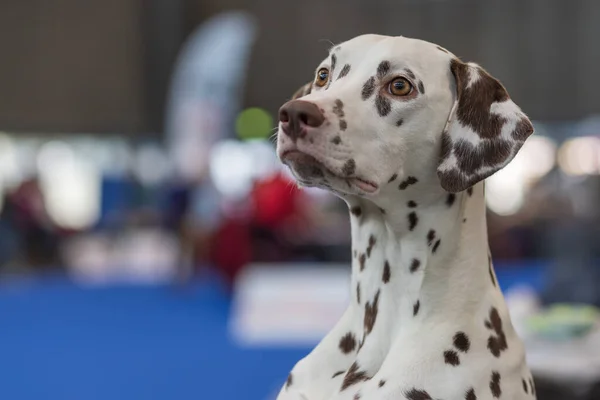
x=302, y=91
x=484, y=132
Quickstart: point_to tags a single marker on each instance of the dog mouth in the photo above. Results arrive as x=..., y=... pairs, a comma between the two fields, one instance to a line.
x=309, y=169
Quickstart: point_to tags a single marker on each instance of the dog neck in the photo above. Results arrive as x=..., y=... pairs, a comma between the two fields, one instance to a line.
x=429, y=255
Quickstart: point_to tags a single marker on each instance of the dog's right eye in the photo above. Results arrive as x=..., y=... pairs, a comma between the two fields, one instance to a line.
x=322, y=77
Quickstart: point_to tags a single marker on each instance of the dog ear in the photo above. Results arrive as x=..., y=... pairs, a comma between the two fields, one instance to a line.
x=302, y=91
x=484, y=131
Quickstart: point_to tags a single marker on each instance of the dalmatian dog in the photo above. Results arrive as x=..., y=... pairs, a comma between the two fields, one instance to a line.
x=405, y=133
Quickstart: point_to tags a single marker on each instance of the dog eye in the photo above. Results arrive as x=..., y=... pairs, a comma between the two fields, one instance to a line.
x=400, y=87
x=322, y=77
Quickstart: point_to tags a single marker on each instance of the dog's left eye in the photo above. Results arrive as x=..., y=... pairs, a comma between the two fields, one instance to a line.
x=322, y=77
x=400, y=87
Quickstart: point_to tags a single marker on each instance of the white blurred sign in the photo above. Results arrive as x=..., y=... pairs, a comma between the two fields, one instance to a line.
x=288, y=305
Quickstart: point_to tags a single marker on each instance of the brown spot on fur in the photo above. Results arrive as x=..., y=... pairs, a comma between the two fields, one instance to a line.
x=412, y=220
x=356, y=211
x=451, y=357
x=336, y=140
x=495, y=384
x=371, y=311
x=496, y=343
x=343, y=124
x=461, y=342
x=383, y=105
x=372, y=242
x=368, y=88
x=354, y=376
x=345, y=70
x=347, y=343
x=361, y=259
x=393, y=178
x=414, y=266
x=411, y=180
x=383, y=69
x=386, y=272
x=416, y=307
x=430, y=237
x=415, y=394
x=349, y=167
x=470, y=395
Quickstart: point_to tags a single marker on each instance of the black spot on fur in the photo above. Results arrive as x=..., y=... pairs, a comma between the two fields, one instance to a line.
x=462, y=342
x=495, y=384
x=382, y=210
x=336, y=140
x=383, y=105
x=411, y=180
x=383, y=69
x=399, y=122
x=411, y=204
x=372, y=242
x=412, y=220
x=356, y=211
x=349, y=167
x=409, y=73
x=347, y=343
x=386, y=272
x=415, y=394
x=436, y=245
x=393, y=178
x=337, y=374
x=414, y=265
x=450, y=199
x=451, y=357
x=381, y=383
x=416, y=307
x=421, y=88
x=343, y=124
x=525, y=386
x=345, y=70
x=470, y=191
x=358, y=293
x=532, y=386
x=470, y=395
x=361, y=259
x=289, y=381
x=368, y=88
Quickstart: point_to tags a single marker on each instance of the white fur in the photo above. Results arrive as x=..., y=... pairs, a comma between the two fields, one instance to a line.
x=453, y=285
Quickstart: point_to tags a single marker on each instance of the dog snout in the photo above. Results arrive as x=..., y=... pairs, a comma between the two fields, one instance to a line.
x=297, y=115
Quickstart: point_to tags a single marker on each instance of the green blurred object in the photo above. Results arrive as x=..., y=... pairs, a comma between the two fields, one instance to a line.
x=254, y=123
x=565, y=321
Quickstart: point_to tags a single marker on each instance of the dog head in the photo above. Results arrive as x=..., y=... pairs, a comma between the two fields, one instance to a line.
x=383, y=113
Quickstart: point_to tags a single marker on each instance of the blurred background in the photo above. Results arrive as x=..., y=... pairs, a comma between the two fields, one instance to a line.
x=151, y=245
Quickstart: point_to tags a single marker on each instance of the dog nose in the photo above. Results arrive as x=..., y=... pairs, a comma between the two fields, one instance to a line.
x=296, y=115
